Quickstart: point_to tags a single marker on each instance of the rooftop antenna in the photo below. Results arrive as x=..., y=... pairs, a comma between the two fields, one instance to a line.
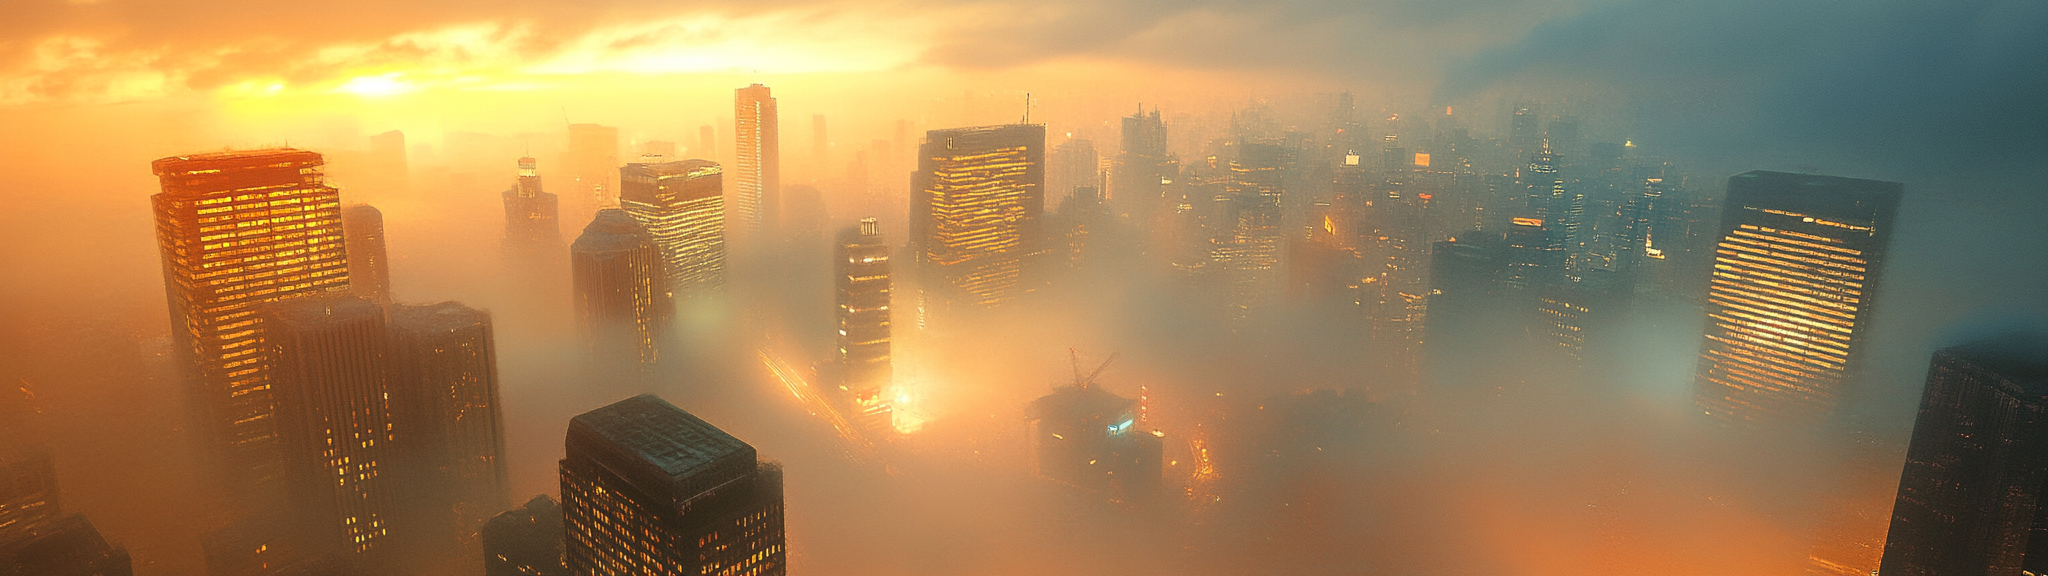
x=1027, y=108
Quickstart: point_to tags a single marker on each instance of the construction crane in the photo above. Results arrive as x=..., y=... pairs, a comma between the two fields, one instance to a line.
x=1083, y=382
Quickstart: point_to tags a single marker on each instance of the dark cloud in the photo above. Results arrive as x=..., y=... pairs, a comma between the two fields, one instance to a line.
x=1889, y=81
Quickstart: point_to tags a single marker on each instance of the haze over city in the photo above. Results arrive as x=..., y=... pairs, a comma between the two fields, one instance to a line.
x=819, y=287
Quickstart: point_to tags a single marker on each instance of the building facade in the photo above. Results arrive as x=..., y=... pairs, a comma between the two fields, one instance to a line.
x=533, y=228
x=758, y=148
x=977, y=211
x=237, y=230
x=682, y=205
x=333, y=389
x=863, y=287
x=369, y=267
x=621, y=293
x=651, y=490
x=1796, y=271
x=447, y=414
x=1969, y=495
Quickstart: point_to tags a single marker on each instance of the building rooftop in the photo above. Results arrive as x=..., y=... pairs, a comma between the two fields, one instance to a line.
x=233, y=160
x=660, y=434
x=612, y=231
x=443, y=317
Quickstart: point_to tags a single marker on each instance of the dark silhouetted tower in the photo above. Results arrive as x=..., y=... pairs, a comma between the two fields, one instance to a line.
x=446, y=413
x=621, y=294
x=1090, y=438
x=369, y=269
x=335, y=417
x=864, y=287
x=650, y=490
x=1795, y=273
x=1969, y=494
x=525, y=541
x=237, y=230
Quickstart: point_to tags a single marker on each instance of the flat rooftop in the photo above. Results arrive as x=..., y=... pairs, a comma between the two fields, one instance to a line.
x=660, y=434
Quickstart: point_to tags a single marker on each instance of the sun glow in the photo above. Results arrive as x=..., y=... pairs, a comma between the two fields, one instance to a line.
x=388, y=84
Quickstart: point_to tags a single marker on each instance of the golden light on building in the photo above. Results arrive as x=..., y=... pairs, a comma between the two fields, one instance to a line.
x=237, y=230
x=1789, y=299
x=682, y=205
x=758, y=146
x=863, y=287
x=976, y=214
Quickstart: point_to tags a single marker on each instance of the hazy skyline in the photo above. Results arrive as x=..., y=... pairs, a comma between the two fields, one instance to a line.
x=1327, y=464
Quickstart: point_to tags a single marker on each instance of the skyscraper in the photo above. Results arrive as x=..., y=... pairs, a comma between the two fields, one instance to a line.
x=1969, y=495
x=757, y=146
x=1796, y=271
x=532, y=226
x=975, y=216
x=621, y=293
x=65, y=546
x=593, y=162
x=864, y=288
x=369, y=269
x=446, y=412
x=1071, y=165
x=651, y=490
x=237, y=230
x=1468, y=296
x=1577, y=310
x=682, y=205
x=332, y=387
x=525, y=541
x=1142, y=165
x=1248, y=250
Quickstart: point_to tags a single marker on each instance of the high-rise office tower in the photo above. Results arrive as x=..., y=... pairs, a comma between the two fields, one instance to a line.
x=682, y=205
x=525, y=541
x=1795, y=273
x=1969, y=495
x=1468, y=291
x=332, y=387
x=237, y=230
x=532, y=226
x=1142, y=165
x=593, y=163
x=369, y=269
x=1525, y=132
x=1248, y=253
x=977, y=209
x=1533, y=253
x=621, y=293
x=651, y=490
x=757, y=148
x=1071, y=165
x=864, y=288
x=1577, y=310
x=446, y=412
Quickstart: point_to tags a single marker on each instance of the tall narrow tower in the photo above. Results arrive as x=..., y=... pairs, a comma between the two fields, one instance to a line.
x=864, y=288
x=1969, y=495
x=334, y=397
x=532, y=223
x=237, y=230
x=1789, y=302
x=758, y=150
x=369, y=269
